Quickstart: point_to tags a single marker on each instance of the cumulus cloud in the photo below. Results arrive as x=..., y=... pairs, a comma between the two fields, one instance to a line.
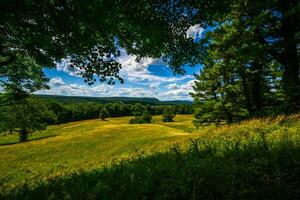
x=65, y=66
x=174, y=91
x=132, y=70
x=188, y=86
x=96, y=91
x=143, y=83
x=56, y=81
x=194, y=31
x=130, y=64
x=172, y=86
x=75, y=89
x=179, y=92
x=138, y=72
x=154, y=86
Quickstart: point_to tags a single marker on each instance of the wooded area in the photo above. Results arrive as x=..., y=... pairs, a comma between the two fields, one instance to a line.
x=250, y=51
x=246, y=100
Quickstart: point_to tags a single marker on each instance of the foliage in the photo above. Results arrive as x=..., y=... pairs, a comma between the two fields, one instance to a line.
x=250, y=41
x=54, y=112
x=125, y=100
x=24, y=116
x=256, y=159
x=103, y=114
x=75, y=111
x=244, y=72
x=145, y=118
x=21, y=77
x=37, y=29
x=168, y=115
x=20, y=112
x=137, y=109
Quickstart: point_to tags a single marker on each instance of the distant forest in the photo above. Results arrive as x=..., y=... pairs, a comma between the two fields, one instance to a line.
x=61, y=109
x=104, y=100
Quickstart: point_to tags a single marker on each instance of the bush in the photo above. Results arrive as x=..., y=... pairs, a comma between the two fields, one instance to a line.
x=103, y=114
x=146, y=118
x=168, y=115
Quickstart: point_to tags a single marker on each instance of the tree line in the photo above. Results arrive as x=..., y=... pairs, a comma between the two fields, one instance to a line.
x=83, y=111
x=249, y=49
x=32, y=113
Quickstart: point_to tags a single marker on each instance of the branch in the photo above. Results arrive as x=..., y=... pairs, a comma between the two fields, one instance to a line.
x=278, y=56
x=11, y=59
x=6, y=84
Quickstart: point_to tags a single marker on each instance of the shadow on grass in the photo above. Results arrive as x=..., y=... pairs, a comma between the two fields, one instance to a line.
x=209, y=169
x=29, y=140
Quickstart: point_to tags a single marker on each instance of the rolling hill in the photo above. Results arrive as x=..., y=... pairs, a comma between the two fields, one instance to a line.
x=104, y=100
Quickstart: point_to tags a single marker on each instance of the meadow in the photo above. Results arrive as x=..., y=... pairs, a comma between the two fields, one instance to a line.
x=85, y=145
x=112, y=159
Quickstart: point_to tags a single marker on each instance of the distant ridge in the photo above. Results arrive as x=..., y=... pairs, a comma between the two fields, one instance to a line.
x=104, y=100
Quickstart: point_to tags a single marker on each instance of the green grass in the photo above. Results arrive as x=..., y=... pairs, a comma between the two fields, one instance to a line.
x=254, y=159
x=84, y=145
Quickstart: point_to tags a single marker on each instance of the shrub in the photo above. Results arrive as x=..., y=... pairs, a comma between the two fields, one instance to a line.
x=168, y=115
x=146, y=118
x=103, y=114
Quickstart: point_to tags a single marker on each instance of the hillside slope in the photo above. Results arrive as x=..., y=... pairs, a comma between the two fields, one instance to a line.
x=85, y=145
x=253, y=159
x=104, y=100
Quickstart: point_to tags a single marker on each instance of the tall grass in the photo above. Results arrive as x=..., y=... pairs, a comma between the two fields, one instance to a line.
x=258, y=159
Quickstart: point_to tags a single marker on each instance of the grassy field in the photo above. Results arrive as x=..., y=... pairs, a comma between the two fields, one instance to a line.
x=258, y=158
x=86, y=145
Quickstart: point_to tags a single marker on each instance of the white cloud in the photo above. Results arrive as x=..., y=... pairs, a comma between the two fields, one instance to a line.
x=137, y=71
x=172, y=86
x=130, y=64
x=65, y=66
x=56, y=81
x=194, y=31
x=174, y=92
x=188, y=86
x=132, y=70
x=154, y=86
x=181, y=92
x=58, y=87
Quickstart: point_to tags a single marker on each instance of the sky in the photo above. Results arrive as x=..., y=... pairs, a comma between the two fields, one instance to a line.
x=147, y=78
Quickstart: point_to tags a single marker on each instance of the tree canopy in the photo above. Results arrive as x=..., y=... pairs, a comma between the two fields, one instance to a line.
x=24, y=116
x=251, y=66
x=250, y=51
x=89, y=33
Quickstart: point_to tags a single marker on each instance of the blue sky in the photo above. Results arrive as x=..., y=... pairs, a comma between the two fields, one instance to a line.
x=146, y=78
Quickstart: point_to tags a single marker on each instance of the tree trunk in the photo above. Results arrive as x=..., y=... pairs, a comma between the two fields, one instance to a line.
x=257, y=81
x=23, y=135
x=246, y=91
x=291, y=67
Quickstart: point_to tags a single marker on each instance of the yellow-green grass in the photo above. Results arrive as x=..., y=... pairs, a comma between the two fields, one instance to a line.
x=92, y=144
x=86, y=145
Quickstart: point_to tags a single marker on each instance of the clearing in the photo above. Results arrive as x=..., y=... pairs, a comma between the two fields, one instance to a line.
x=86, y=145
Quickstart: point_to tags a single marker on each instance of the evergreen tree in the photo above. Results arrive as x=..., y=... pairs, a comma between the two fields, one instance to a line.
x=240, y=78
